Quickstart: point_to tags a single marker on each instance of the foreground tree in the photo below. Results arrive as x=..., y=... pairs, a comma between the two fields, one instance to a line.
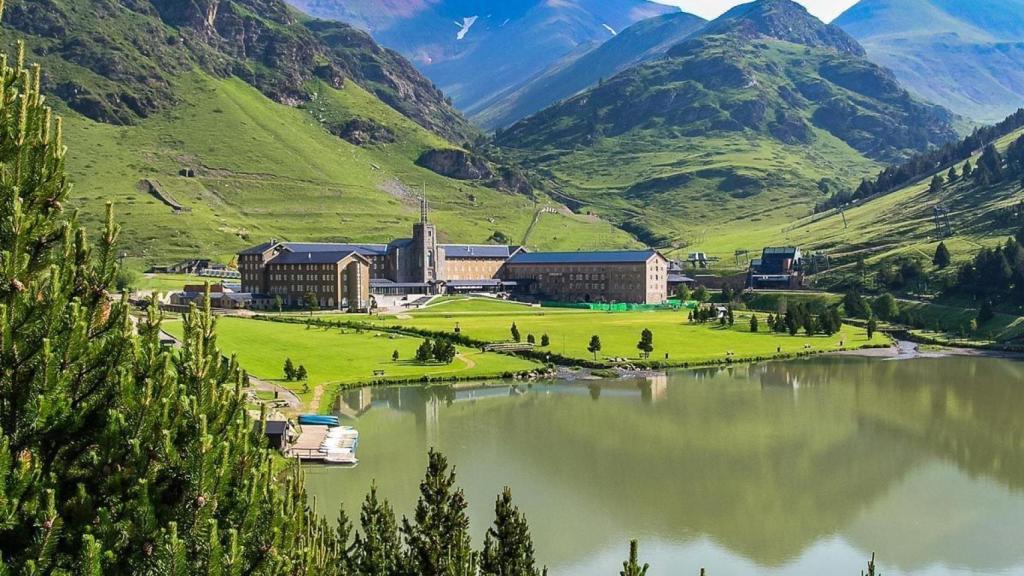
x=632, y=566
x=942, y=257
x=595, y=345
x=377, y=549
x=438, y=534
x=508, y=548
x=118, y=456
x=646, y=343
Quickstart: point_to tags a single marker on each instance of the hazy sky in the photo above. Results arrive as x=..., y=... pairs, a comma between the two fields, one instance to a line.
x=824, y=9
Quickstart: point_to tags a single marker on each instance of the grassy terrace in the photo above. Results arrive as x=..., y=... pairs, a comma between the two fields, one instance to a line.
x=570, y=332
x=337, y=358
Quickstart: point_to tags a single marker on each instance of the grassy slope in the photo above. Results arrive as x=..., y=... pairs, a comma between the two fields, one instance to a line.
x=268, y=170
x=704, y=215
x=902, y=222
x=570, y=332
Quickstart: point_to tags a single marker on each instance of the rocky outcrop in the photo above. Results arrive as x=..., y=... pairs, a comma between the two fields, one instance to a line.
x=457, y=164
x=129, y=53
x=363, y=132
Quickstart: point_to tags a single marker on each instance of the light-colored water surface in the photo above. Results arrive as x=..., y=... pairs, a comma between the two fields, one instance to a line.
x=797, y=468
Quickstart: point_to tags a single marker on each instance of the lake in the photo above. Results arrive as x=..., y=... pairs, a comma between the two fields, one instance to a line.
x=800, y=468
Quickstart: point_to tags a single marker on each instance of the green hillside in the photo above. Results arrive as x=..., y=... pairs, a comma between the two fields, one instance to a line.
x=217, y=126
x=902, y=223
x=267, y=170
x=731, y=134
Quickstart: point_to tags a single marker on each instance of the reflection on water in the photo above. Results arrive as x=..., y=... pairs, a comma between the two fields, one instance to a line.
x=789, y=468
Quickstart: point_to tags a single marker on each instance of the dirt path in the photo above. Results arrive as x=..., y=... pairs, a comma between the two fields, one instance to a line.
x=470, y=363
x=282, y=392
x=314, y=403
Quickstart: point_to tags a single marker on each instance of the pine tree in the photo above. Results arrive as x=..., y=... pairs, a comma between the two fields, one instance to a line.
x=753, y=323
x=438, y=534
x=117, y=455
x=646, y=343
x=595, y=345
x=951, y=176
x=632, y=566
x=377, y=549
x=289, y=370
x=508, y=548
x=545, y=341
x=936, y=185
x=300, y=374
x=967, y=171
x=942, y=257
x=425, y=352
x=516, y=336
x=872, y=327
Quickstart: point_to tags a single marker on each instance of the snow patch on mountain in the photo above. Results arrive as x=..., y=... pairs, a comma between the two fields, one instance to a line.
x=610, y=29
x=465, y=25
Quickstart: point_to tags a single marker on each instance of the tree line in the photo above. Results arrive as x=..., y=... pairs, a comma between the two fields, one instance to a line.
x=920, y=165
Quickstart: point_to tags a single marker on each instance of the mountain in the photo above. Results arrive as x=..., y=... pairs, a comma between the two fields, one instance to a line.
x=214, y=124
x=748, y=122
x=645, y=40
x=967, y=56
x=474, y=49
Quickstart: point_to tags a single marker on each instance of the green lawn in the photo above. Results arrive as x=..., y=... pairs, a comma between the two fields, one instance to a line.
x=336, y=357
x=570, y=332
x=164, y=283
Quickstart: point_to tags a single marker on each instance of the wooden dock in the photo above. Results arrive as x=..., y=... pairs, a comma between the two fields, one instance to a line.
x=308, y=445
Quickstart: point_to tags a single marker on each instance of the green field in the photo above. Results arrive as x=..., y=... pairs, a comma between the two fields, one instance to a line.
x=336, y=357
x=281, y=174
x=570, y=331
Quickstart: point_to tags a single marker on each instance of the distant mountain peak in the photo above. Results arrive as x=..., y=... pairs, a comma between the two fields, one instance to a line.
x=783, y=20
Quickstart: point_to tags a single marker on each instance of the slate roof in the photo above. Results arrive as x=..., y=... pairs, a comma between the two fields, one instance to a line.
x=611, y=257
x=311, y=257
x=679, y=278
x=259, y=249
x=477, y=251
x=363, y=249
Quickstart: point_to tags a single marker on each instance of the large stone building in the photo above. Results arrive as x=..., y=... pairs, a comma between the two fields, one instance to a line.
x=638, y=276
x=417, y=265
x=337, y=275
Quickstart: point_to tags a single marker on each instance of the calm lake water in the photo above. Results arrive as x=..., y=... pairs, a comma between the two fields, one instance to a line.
x=797, y=468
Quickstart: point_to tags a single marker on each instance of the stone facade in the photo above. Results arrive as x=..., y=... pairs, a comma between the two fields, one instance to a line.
x=638, y=277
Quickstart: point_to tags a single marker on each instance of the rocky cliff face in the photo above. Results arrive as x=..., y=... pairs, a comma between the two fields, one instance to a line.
x=129, y=51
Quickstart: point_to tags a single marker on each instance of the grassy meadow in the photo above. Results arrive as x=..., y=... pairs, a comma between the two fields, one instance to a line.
x=569, y=332
x=336, y=357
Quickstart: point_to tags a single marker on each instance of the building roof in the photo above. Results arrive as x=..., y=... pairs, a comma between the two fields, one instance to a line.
x=481, y=282
x=454, y=251
x=363, y=249
x=679, y=278
x=786, y=251
x=610, y=257
x=385, y=283
x=275, y=427
x=311, y=257
x=260, y=249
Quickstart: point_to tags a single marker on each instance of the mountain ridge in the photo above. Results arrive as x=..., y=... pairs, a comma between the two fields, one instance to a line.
x=968, y=57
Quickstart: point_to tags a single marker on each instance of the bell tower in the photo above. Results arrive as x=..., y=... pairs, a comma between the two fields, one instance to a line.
x=424, y=237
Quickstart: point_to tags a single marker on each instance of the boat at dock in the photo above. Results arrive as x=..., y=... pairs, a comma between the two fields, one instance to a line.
x=328, y=444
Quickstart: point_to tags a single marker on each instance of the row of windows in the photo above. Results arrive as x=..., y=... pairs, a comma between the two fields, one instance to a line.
x=307, y=277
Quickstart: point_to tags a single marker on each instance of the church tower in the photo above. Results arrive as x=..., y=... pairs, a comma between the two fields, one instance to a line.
x=424, y=239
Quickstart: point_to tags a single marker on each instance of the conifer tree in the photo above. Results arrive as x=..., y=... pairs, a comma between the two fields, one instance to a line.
x=118, y=456
x=377, y=549
x=438, y=534
x=508, y=548
x=516, y=336
x=632, y=566
x=753, y=323
x=942, y=257
x=289, y=370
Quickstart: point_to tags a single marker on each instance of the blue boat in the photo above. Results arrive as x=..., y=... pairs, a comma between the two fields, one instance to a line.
x=318, y=420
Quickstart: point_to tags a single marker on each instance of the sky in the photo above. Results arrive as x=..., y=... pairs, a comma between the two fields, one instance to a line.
x=827, y=10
